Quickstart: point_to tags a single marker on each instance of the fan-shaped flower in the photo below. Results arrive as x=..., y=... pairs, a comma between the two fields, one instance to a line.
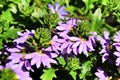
x=58, y=9
x=105, y=42
x=20, y=60
x=82, y=45
x=19, y=73
x=116, y=44
x=24, y=36
x=118, y=58
x=117, y=37
x=40, y=57
x=55, y=44
x=69, y=25
x=102, y=75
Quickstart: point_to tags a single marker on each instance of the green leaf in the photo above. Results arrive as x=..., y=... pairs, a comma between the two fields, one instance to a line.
x=73, y=64
x=48, y=74
x=96, y=20
x=16, y=1
x=11, y=33
x=61, y=61
x=4, y=25
x=13, y=8
x=1, y=46
x=89, y=4
x=7, y=16
x=104, y=2
x=73, y=74
x=39, y=13
x=86, y=67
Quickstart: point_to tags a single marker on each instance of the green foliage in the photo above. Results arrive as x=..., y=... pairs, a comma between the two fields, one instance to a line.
x=7, y=33
x=61, y=61
x=89, y=4
x=83, y=28
x=85, y=70
x=48, y=74
x=7, y=74
x=17, y=15
x=96, y=20
x=25, y=7
x=73, y=64
x=7, y=16
x=42, y=36
x=73, y=74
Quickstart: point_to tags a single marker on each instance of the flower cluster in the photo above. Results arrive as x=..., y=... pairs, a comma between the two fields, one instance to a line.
x=24, y=55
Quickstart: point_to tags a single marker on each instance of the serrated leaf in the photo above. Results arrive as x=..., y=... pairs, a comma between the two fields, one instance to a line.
x=61, y=61
x=7, y=16
x=11, y=33
x=48, y=74
x=73, y=74
x=86, y=67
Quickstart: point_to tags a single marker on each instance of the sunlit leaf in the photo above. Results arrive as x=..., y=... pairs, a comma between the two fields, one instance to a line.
x=73, y=74
x=48, y=74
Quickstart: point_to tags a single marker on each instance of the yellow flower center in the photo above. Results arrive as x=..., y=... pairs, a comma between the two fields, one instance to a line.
x=109, y=78
x=39, y=52
x=70, y=28
x=23, y=57
x=50, y=42
x=82, y=39
x=16, y=77
x=22, y=48
x=27, y=37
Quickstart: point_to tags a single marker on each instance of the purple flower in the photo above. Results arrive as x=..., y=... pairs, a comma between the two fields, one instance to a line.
x=106, y=47
x=40, y=57
x=69, y=25
x=58, y=9
x=117, y=37
x=23, y=75
x=55, y=44
x=117, y=41
x=66, y=27
x=66, y=47
x=81, y=45
x=19, y=73
x=20, y=60
x=24, y=36
x=101, y=74
x=92, y=38
x=118, y=58
x=1, y=67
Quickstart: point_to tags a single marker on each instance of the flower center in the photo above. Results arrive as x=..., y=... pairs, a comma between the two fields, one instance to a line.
x=27, y=37
x=23, y=57
x=82, y=40
x=109, y=78
x=39, y=52
x=50, y=42
x=70, y=28
x=109, y=47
